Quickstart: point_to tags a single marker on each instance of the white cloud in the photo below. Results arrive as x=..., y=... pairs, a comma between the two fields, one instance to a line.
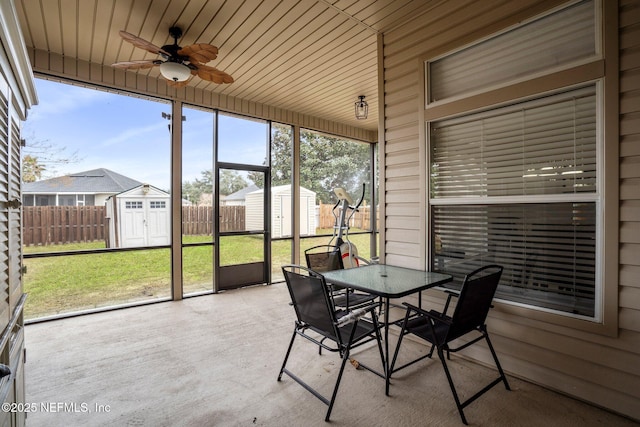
x=135, y=134
x=63, y=99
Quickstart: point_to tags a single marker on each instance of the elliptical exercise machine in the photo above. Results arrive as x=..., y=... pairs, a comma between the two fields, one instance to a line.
x=343, y=211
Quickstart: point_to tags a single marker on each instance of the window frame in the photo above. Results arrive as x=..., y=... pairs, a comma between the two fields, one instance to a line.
x=554, y=80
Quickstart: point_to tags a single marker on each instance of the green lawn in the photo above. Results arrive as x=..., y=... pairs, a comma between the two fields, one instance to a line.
x=72, y=283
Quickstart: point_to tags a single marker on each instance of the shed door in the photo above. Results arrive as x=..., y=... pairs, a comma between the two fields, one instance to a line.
x=304, y=215
x=157, y=222
x=285, y=215
x=133, y=224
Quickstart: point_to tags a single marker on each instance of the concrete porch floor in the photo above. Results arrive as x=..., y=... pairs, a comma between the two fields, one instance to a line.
x=213, y=361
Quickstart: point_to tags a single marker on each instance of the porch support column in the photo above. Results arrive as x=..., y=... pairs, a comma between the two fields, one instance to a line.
x=295, y=196
x=176, y=197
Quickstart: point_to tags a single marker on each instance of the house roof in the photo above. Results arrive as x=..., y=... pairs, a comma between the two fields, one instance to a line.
x=93, y=181
x=240, y=194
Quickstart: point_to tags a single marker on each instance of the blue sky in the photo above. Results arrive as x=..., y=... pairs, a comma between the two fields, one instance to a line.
x=129, y=135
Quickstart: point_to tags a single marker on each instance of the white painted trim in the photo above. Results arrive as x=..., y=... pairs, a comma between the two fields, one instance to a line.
x=14, y=61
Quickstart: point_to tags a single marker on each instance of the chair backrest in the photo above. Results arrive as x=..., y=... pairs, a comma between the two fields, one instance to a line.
x=474, y=301
x=311, y=301
x=324, y=258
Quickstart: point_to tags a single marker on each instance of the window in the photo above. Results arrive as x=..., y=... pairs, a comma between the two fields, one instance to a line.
x=557, y=40
x=133, y=205
x=157, y=205
x=519, y=184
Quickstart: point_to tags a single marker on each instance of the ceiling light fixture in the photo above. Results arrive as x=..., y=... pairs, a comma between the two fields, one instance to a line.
x=362, y=108
x=175, y=71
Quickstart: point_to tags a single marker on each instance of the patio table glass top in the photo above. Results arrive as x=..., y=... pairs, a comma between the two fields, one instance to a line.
x=385, y=280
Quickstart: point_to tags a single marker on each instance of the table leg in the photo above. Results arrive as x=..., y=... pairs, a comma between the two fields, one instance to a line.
x=387, y=374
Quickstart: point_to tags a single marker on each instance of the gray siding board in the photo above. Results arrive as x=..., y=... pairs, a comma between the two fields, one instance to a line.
x=630, y=297
x=403, y=260
x=601, y=369
x=402, y=184
x=629, y=276
x=630, y=319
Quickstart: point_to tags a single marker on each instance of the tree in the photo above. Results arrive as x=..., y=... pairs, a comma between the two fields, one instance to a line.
x=326, y=162
x=193, y=191
x=231, y=181
x=39, y=156
x=281, y=152
x=32, y=169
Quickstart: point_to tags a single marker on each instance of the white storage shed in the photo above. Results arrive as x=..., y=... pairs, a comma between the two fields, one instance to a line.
x=281, y=211
x=138, y=217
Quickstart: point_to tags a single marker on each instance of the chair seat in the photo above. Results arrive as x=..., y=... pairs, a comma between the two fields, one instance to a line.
x=420, y=326
x=353, y=299
x=364, y=327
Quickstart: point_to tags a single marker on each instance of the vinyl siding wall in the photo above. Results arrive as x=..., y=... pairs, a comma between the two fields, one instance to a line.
x=603, y=369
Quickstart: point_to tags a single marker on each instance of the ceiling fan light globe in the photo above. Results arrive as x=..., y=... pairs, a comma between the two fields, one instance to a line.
x=175, y=71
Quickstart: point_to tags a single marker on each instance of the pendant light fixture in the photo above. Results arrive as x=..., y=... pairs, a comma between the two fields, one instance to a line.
x=362, y=108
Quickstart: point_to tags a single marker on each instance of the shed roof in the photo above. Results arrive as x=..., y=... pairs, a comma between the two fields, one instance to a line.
x=93, y=181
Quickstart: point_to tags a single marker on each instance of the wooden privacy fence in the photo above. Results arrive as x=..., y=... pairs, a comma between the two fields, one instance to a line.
x=361, y=219
x=198, y=220
x=54, y=225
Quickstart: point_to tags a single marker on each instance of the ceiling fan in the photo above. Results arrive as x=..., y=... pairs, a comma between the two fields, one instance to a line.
x=177, y=64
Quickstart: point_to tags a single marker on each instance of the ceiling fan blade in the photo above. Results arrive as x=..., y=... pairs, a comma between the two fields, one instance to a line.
x=142, y=44
x=213, y=74
x=199, y=52
x=135, y=65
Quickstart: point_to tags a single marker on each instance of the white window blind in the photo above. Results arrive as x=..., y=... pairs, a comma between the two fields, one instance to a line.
x=556, y=40
x=541, y=147
x=517, y=186
x=548, y=251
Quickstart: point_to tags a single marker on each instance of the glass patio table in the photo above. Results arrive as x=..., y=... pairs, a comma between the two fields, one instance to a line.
x=387, y=282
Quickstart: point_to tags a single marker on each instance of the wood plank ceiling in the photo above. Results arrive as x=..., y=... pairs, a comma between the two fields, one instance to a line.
x=308, y=56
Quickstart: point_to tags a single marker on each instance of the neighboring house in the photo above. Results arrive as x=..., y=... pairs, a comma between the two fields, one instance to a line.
x=238, y=198
x=89, y=188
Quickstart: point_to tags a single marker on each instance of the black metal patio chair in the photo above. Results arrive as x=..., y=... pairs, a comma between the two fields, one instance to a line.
x=323, y=258
x=318, y=321
x=439, y=329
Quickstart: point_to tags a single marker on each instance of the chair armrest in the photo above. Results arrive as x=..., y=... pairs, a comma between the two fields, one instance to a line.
x=432, y=314
x=355, y=315
x=450, y=294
